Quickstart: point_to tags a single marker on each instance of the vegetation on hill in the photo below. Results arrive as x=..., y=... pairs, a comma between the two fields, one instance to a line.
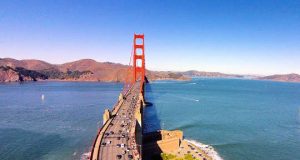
x=166, y=156
x=22, y=73
x=193, y=73
x=10, y=74
x=34, y=75
x=86, y=70
x=91, y=70
x=56, y=74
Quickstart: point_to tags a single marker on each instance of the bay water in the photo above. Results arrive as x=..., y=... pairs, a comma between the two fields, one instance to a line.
x=61, y=126
x=241, y=119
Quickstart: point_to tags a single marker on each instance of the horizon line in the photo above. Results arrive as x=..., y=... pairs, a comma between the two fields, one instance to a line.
x=152, y=69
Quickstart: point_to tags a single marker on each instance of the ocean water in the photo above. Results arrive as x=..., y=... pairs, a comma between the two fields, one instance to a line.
x=62, y=126
x=240, y=119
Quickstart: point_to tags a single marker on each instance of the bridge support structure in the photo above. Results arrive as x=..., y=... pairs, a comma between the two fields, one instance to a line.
x=106, y=116
x=139, y=60
x=131, y=99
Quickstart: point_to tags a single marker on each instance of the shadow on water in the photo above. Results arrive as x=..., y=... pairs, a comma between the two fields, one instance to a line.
x=151, y=123
x=22, y=144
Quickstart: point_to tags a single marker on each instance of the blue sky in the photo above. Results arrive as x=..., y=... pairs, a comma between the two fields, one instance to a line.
x=248, y=37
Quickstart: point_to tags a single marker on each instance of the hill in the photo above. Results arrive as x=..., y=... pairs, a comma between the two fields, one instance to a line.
x=282, y=77
x=12, y=70
x=194, y=73
x=81, y=70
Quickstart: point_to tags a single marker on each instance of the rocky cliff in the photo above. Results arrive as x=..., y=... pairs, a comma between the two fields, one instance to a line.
x=9, y=74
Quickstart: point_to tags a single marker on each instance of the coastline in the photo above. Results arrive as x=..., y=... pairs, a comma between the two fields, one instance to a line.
x=171, y=145
x=207, y=149
x=195, y=150
x=73, y=80
x=150, y=80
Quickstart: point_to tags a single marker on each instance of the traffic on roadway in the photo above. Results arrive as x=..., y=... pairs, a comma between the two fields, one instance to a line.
x=118, y=141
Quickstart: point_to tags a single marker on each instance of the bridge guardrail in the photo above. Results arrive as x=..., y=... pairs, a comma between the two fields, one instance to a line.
x=105, y=125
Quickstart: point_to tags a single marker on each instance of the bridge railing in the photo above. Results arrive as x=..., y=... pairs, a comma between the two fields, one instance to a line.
x=108, y=121
x=95, y=141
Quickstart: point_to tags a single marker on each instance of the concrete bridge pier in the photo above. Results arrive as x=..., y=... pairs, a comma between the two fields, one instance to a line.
x=141, y=98
x=106, y=116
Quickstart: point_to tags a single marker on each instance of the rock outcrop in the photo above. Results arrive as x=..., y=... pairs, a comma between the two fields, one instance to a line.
x=8, y=75
x=18, y=74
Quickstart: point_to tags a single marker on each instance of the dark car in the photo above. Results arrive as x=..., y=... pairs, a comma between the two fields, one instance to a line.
x=119, y=156
x=130, y=156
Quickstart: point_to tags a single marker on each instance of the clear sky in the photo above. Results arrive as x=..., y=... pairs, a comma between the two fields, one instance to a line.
x=248, y=37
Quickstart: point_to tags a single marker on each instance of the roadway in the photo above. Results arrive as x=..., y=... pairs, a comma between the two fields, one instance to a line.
x=118, y=141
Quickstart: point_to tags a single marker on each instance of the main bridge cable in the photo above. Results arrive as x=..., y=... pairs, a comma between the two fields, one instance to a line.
x=134, y=70
x=128, y=79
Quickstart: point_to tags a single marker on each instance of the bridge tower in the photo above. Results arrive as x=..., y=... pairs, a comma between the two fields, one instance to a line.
x=139, y=59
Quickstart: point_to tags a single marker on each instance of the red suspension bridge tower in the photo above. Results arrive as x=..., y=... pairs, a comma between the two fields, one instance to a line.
x=138, y=58
x=137, y=70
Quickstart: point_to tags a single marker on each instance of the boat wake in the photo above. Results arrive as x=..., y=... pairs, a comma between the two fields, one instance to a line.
x=209, y=150
x=186, y=98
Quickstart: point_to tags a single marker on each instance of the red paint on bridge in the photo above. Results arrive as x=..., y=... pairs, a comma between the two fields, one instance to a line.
x=114, y=132
x=139, y=59
x=137, y=70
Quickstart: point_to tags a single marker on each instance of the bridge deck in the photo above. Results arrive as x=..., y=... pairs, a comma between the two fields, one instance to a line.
x=117, y=140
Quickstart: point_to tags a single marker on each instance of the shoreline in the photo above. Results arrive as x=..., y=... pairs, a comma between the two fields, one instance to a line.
x=80, y=80
x=171, y=145
x=150, y=81
x=195, y=150
x=209, y=150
